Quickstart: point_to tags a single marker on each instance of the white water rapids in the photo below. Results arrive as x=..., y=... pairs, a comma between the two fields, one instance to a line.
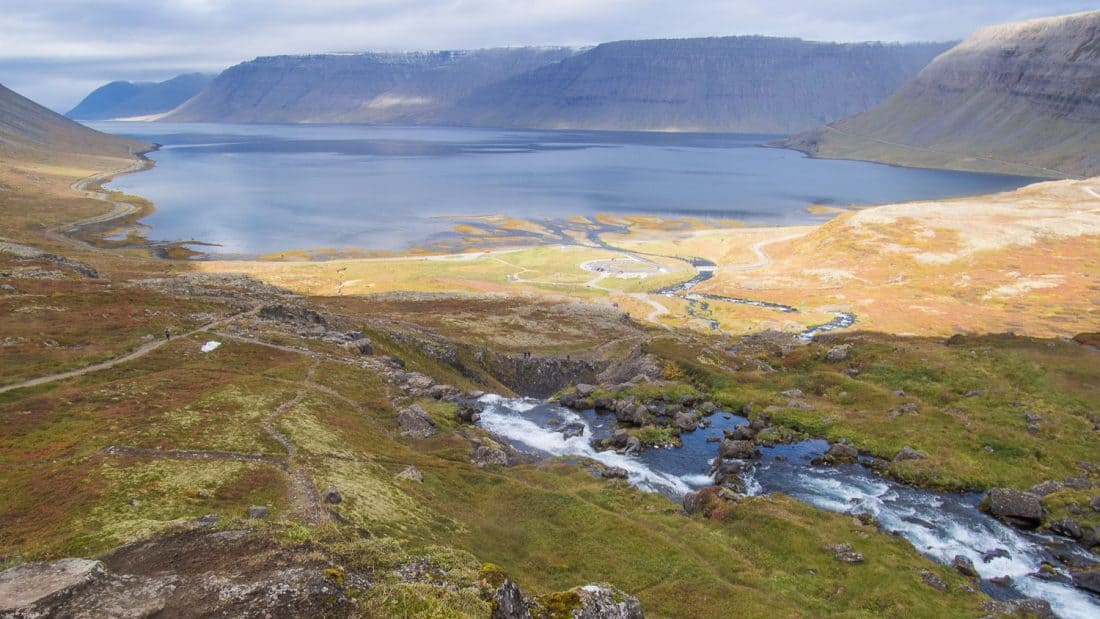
x=940, y=525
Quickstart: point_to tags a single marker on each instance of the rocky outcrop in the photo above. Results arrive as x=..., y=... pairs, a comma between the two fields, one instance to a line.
x=1019, y=98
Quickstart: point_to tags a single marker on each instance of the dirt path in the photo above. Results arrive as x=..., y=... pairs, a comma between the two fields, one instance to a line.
x=191, y=454
x=119, y=208
x=136, y=354
x=762, y=258
x=658, y=309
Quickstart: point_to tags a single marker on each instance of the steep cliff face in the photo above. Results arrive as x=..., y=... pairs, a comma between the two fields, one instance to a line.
x=356, y=88
x=28, y=130
x=1022, y=97
x=129, y=99
x=736, y=84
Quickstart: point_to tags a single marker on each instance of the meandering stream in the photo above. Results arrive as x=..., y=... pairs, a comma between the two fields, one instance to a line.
x=939, y=525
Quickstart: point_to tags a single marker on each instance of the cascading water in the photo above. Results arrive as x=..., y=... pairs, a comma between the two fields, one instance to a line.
x=940, y=525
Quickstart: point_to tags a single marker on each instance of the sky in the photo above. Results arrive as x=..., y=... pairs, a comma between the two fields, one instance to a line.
x=57, y=51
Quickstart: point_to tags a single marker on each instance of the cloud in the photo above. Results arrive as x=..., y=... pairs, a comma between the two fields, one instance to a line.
x=55, y=49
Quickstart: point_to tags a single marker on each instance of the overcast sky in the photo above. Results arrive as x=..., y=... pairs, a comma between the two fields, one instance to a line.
x=56, y=51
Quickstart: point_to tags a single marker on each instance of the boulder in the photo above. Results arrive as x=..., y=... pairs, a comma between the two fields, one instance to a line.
x=361, y=345
x=572, y=429
x=708, y=407
x=1067, y=527
x=685, y=422
x=845, y=553
x=292, y=314
x=741, y=433
x=600, y=601
x=446, y=393
x=837, y=354
x=614, y=472
x=1018, y=508
x=740, y=450
x=416, y=422
x=619, y=439
x=485, y=455
x=999, y=553
x=792, y=393
x=908, y=453
x=331, y=496
x=840, y=453
x=1030, y=607
x=468, y=412
x=1087, y=580
x=694, y=502
x=1095, y=503
x=411, y=473
x=633, y=445
x=256, y=512
x=585, y=390
x=964, y=566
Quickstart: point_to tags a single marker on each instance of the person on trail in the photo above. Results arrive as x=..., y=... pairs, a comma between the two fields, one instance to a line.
x=167, y=333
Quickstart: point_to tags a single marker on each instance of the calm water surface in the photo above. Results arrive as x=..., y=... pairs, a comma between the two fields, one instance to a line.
x=260, y=188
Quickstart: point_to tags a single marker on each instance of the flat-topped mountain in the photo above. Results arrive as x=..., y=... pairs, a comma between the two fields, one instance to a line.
x=28, y=128
x=130, y=99
x=1022, y=97
x=741, y=84
x=357, y=88
x=730, y=84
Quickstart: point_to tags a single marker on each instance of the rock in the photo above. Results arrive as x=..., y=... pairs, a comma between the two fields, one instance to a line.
x=633, y=445
x=713, y=439
x=975, y=393
x=468, y=412
x=508, y=603
x=416, y=422
x=572, y=429
x=485, y=455
x=741, y=433
x=792, y=393
x=1087, y=580
x=837, y=354
x=1067, y=527
x=618, y=439
x=685, y=422
x=360, y=345
x=25, y=587
x=614, y=472
x=741, y=450
x=688, y=401
x=840, y=453
x=1046, y=487
x=256, y=512
x=584, y=390
x=964, y=566
x=331, y=496
x=1095, y=503
x=844, y=553
x=708, y=407
x=933, y=580
x=1015, y=507
x=600, y=601
x=1016, y=608
x=999, y=553
x=292, y=314
x=909, y=408
x=908, y=453
x=446, y=393
x=411, y=473
x=1078, y=483
x=694, y=502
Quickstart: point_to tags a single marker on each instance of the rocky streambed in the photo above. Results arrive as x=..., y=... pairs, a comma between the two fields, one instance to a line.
x=949, y=528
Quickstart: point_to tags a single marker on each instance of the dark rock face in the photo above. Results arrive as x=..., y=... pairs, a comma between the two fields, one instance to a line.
x=1089, y=581
x=599, y=601
x=1015, y=507
x=1022, y=98
x=508, y=603
x=738, y=84
x=964, y=566
x=357, y=88
x=127, y=99
x=730, y=84
x=332, y=496
x=292, y=314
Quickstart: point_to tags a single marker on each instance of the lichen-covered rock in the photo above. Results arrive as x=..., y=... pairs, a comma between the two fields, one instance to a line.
x=415, y=422
x=839, y=453
x=837, y=354
x=740, y=450
x=908, y=453
x=411, y=473
x=600, y=601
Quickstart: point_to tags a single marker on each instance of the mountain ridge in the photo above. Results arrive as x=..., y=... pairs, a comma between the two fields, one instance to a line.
x=1022, y=97
x=123, y=99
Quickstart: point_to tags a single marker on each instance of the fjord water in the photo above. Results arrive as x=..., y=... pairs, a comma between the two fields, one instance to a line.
x=254, y=189
x=939, y=525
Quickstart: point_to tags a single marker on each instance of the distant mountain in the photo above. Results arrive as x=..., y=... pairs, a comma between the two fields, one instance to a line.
x=1022, y=97
x=357, y=88
x=743, y=84
x=28, y=129
x=732, y=84
x=129, y=99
